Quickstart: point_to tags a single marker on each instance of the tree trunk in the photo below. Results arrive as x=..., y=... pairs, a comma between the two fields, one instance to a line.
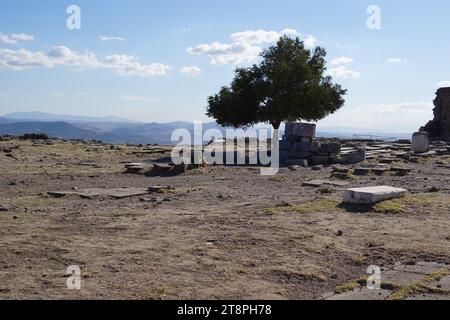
x=276, y=125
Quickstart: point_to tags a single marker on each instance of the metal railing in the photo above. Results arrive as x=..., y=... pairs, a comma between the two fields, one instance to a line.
x=367, y=137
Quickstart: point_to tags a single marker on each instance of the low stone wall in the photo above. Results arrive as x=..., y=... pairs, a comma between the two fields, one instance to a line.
x=300, y=147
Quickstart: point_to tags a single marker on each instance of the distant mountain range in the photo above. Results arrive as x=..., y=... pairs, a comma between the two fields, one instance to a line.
x=49, y=117
x=120, y=130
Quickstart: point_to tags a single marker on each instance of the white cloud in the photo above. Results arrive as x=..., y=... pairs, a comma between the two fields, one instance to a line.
x=343, y=72
x=62, y=55
x=15, y=38
x=134, y=98
x=397, y=60
x=220, y=53
x=261, y=36
x=191, y=71
x=22, y=37
x=111, y=38
x=443, y=84
x=310, y=41
x=342, y=60
x=123, y=64
x=128, y=66
x=58, y=95
x=245, y=46
x=23, y=59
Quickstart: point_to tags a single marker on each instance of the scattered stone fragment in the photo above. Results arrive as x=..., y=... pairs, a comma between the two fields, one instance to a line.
x=361, y=171
x=135, y=167
x=402, y=170
x=372, y=195
x=158, y=189
x=340, y=169
x=163, y=167
x=134, y=164
x=388, y=160
x=444, y=283
x=380, y=171
x=317, y=168
x=3, y=209
x=319, y=183
x=426, y=154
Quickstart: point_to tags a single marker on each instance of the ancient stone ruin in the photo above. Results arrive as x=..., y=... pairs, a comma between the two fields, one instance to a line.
x=301, y=147
x=439, y=127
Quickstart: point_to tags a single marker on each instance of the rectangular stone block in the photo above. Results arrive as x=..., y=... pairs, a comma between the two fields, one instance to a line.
x=284, y=154
x=420, y=142
x=353, y=157
x=301, y=129
x=285, y=145
x=319, y=160
x=373, y=195
x=315, y=146
x=304, y=146
x=331, y=147
x=299, y=154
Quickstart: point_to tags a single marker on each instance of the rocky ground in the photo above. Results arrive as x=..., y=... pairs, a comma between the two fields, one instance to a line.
x=213, y=232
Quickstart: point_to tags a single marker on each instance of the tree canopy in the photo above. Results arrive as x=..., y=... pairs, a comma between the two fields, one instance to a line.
x=289, y=84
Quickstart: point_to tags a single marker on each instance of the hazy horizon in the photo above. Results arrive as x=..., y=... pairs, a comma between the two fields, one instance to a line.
x=164, y=65
x=49, y=117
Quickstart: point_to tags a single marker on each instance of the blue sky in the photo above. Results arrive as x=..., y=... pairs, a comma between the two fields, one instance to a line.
x=159, y=60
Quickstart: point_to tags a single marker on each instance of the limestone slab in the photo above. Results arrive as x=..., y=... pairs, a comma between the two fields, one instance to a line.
x=424, y=268
x=401, y=278
x=373, y=195
x=117, y=193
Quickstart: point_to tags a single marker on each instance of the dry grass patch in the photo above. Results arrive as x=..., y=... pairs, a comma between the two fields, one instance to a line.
x=278, y=178
x=318, y=205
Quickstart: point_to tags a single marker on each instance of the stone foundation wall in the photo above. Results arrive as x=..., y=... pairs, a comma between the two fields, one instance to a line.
x=439, y=127
x=299, y=146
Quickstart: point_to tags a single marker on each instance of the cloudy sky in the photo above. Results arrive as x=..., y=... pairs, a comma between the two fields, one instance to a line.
x=159, y=60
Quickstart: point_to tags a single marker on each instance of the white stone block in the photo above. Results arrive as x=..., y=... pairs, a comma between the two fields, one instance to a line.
x=420, y=142
x=373, y=195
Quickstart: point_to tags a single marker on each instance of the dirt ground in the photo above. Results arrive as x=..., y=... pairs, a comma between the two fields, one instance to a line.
x=220, y=233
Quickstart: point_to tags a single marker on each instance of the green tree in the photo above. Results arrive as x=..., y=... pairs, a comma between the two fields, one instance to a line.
x=289, y=84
